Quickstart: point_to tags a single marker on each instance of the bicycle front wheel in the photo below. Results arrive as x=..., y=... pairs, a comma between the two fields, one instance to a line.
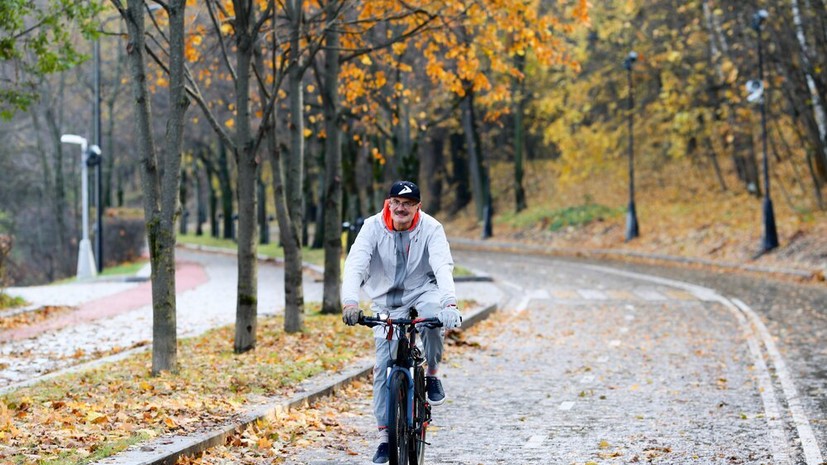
x=422, y=416
x=398, y=432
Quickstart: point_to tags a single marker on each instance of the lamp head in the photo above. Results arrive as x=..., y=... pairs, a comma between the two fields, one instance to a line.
x=72, y=139
x=755, y=90
x=94, y=150
x=631, y=58
x=759, y=18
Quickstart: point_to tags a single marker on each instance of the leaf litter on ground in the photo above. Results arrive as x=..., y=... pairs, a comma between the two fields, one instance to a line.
x=82, y=417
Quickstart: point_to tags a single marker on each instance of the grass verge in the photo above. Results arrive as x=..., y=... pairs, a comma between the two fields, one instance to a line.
x=557, y=219
x=314, y=256
x=9, y=301
x=124, y=268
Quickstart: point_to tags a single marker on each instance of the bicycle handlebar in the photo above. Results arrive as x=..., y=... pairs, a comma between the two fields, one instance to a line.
x=384, y=319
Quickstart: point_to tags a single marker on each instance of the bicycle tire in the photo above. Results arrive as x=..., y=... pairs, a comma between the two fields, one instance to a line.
x=398, y=431
x=422, y=416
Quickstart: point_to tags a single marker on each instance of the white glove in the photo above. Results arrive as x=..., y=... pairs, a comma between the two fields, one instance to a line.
x=450, y=317
x=351, y=314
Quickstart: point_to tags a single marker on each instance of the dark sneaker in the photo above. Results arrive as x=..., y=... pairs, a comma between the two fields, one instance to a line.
x=381, y=455
x=436, y=395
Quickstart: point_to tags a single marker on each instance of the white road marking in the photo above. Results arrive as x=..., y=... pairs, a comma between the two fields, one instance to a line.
x=602, y=359
x=567, y=405
x=778, y=437
x=614, y=343
x=592, y=294
x=535, y=441
x=523, y=303
x=528, y=296
x=802, y=424
x=649, y=294
x=629, y=317
x=516, y=287
x=780, y=446
x=624, y=330
x=587, y=379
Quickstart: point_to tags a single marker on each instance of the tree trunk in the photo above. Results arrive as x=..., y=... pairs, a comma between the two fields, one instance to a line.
x=333, y=169
x=211, y=174
x=263, y=222
x=293, y=298
x=519, y=135
x=215, y=226
x=713, y=157
x=293, y=180
x=815, y=97
x=479, y=184
x=182, y=201
x=226, y=192
x=160, y=186
x=745, y=166
x=459, y=175
x=318, y=219
x=433, y=167
x=201, y=210
x=247, y=163
x=111, y=162
x=363, y=177
x=59, y=253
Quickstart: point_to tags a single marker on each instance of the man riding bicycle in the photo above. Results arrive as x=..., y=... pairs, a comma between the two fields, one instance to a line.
x=402, y=260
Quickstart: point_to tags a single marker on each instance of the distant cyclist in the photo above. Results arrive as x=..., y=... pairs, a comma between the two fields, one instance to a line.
x=402, y=260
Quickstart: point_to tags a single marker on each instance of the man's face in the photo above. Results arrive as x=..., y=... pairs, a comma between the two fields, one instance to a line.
x=403, y=210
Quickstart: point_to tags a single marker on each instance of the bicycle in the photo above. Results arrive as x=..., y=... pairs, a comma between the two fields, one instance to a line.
x=409, y=411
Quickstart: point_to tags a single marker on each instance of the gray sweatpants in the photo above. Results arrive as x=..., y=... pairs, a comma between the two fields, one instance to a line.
x=427, y=306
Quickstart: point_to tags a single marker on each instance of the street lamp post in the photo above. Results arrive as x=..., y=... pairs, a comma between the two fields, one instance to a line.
x=96, y=161
x=770, y=239
x=86, y=261
x=631, y=215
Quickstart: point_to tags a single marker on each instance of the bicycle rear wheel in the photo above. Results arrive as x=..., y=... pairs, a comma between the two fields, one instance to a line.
x=398, y=431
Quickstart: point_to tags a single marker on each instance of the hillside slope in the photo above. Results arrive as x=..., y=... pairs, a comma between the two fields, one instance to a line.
x=681, y=212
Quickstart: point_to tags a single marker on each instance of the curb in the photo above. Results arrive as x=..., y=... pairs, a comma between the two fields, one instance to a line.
x=165, y=450
x=473, y=279
x=473, y=244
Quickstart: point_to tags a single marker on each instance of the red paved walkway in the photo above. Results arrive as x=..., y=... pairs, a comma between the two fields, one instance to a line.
x=188, y=275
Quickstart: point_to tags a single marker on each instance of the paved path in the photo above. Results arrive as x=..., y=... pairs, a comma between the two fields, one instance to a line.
x=188, y=275
x=113, y=317
x=598, y=367
x=117, y=317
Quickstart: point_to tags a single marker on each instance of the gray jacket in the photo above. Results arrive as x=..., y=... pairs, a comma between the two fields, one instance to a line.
x=395, y=267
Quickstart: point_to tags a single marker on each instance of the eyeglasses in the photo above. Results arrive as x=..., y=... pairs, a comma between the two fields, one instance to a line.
x=399, y=203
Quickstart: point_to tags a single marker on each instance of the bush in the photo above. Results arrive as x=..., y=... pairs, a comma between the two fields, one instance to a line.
x=580, y=215
x=124, y=236
x=5, y=251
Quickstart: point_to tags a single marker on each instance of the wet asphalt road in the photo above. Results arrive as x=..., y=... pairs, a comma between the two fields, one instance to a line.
x=597, y=365
x=795, y=315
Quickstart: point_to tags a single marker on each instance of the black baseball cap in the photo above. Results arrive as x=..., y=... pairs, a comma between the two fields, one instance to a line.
x=404, y=189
